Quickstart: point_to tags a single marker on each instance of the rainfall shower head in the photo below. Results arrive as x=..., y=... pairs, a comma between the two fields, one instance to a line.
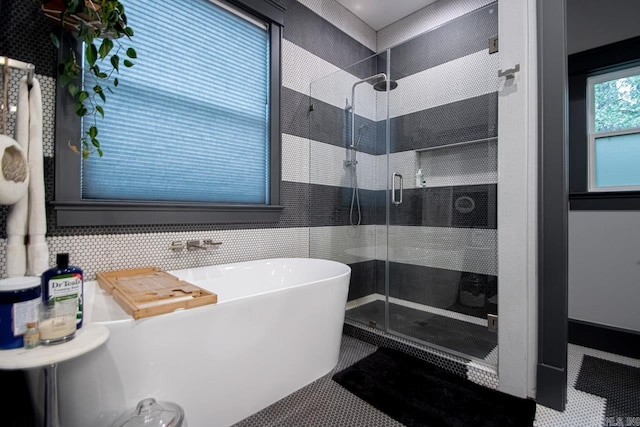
x=381, y=86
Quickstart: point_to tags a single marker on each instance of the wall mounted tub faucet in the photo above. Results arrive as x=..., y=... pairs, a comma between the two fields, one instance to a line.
x=193, y=245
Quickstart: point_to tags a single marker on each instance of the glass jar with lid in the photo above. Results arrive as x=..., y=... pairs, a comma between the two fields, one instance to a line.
x=150, y=413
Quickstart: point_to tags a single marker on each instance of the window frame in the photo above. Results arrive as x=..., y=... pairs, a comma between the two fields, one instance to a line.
x=582, y=65
x=592, y=134
x=72, y=210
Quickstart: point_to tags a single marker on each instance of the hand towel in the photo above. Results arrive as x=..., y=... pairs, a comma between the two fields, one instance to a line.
x=17, y=219
x=38, y=251
x=28, y=215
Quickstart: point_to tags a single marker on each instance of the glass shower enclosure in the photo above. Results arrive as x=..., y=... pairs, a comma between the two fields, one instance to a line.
x=403, y=173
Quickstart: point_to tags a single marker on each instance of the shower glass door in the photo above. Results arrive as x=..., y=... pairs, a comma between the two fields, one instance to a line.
x=442, y=236
x=403, y=184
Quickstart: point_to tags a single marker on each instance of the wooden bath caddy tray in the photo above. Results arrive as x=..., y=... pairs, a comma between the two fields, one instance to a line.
x=145, y=292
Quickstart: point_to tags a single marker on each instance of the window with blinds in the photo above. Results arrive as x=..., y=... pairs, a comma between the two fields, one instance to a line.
x=190, y=121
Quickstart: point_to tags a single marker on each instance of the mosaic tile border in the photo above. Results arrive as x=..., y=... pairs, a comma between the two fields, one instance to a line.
x=107, y=252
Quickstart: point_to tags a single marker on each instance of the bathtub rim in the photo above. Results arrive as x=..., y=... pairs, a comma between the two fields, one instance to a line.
x=116, y=316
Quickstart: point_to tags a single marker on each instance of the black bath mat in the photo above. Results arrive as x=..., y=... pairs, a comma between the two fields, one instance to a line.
x=417, y=393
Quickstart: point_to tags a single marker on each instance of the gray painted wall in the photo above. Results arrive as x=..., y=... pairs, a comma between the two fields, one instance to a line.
x=593, y=23
x=604, y=268
x=604, y=247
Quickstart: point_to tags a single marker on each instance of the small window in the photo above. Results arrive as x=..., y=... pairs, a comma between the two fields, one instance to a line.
x=614, y=131
x=192, y=134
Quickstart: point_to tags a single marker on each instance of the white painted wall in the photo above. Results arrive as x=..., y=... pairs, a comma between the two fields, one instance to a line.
x=517, y=195
x=593, y=23
x=604, y=247
x=604, y=268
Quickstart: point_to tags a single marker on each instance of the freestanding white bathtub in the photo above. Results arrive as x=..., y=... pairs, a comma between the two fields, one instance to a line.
x=276, y=327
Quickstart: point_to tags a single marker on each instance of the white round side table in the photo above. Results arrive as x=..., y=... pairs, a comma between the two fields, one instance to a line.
x=89, y=337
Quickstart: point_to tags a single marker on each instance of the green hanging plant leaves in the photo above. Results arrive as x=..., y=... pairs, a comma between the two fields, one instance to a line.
x=83, y=95
x=105, y=47
x=91, y=53
x=102, y=54
x=81, y=110
x=55, y=40
x=115, y=62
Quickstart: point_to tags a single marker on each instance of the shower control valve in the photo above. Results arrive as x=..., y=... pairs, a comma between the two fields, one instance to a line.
x=350, y=163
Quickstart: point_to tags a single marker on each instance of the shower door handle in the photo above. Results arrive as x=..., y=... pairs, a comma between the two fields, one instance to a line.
x=393, y=189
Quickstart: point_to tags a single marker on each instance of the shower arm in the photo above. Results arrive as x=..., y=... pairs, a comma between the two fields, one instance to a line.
x=352, y=107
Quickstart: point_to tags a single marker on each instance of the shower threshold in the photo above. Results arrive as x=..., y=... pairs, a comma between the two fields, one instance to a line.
x=461, y=334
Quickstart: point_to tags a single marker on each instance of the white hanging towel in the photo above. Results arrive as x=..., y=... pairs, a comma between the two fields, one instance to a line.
x=38, y=251
x=28, y=214
x=17, y=219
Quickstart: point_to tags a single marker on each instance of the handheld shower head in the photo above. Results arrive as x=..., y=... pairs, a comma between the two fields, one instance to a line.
x=362, y=130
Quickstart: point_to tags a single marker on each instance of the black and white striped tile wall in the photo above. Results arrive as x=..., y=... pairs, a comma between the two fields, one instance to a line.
x=446, y=95
x=450, y=84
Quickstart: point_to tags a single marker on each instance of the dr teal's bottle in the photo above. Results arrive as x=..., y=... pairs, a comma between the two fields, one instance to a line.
x=62, y=282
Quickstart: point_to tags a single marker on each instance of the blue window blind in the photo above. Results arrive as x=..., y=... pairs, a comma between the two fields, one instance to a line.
x=190, y=121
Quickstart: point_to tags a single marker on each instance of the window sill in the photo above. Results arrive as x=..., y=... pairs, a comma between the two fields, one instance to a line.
x=605, y=201
x=95, y=213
